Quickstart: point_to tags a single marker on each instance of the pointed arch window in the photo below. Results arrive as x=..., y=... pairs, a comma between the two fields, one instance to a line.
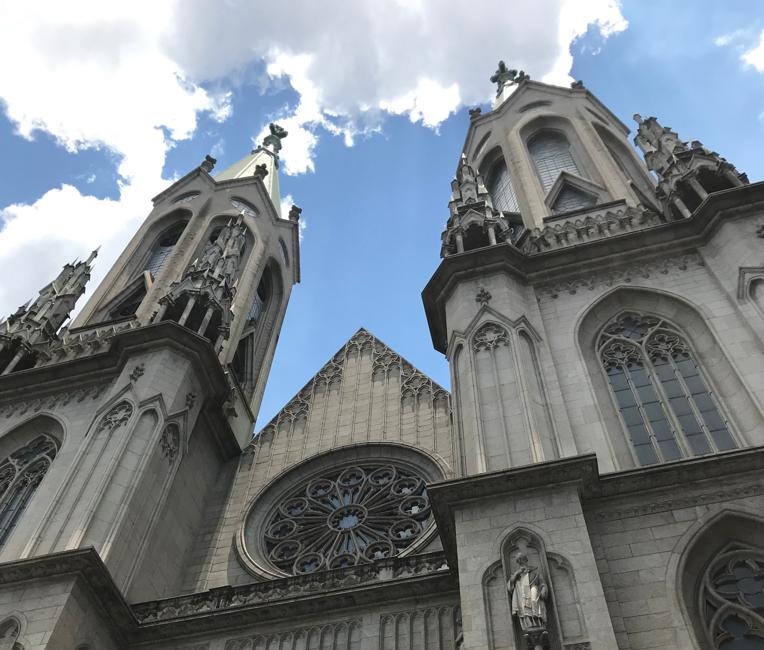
x=550, y=152
x=499, y=186
x=664, y=401
x=163, y=248
x=20, y=475
x=9, y=633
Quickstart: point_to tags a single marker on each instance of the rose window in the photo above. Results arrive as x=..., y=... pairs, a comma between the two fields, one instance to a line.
x=347, y=516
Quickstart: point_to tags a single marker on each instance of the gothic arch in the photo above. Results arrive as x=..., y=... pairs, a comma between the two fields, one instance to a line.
x=708, y=581
x=733, y=400
x=176, y=219
x=210, y=232
x=259, y=331
x=625, y=159
x=10, y=632
x=26, y=455
x=497, y=179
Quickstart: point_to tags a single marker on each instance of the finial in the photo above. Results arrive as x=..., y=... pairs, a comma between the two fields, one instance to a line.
x=294, y=213
x=638, y=118
x=475, y=113
x=275, y=137
x=577, y=85
x=507, y=76
x=93, y=255
x=261, y=171
x=208, y=163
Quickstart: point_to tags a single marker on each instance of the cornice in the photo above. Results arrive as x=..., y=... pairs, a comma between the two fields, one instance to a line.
x=651, y=484
x=561, y=264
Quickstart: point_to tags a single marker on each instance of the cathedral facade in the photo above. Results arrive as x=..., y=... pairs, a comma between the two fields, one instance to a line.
x=591, y=481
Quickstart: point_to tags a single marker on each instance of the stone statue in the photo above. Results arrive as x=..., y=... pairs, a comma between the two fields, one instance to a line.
x=277, y=134
x=528, y=592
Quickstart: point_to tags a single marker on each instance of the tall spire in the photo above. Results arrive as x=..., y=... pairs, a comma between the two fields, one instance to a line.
x=687, y=172
x=262, y=162
x=31, y=328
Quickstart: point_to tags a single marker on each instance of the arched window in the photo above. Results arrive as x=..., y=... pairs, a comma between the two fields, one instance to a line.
x=499, y=186
x=20, y=474
x=550, y=152
x=731, y=601
x=163, y=248
x=660, y=392
x=9, y=633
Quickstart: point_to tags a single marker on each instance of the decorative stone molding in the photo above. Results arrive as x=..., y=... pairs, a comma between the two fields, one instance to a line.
x=116, y=417
x=345, y=635
x=744, y=276
x=86, y=341
x=170, y=441
x=624, y=275
x=289, y=588
x=600, y=222
x=137, y=372
x=483, y=296
x=689, y=501
x=489, y=337
x=48, y=402
x=583, y=645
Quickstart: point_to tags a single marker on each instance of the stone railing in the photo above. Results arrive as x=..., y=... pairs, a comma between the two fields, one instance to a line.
x=317, y=584
x=599, y=222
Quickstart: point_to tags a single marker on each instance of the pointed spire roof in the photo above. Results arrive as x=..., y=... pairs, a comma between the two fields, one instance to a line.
x=262, y=162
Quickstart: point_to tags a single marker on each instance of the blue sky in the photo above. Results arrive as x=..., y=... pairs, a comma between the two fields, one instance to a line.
x=100, y=114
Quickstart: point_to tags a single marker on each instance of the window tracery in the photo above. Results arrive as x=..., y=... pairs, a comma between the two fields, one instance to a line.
x=347, y=516
x=550, y=152
x=659, y=391
x=732, y=600
x=500, y=188
x=20, y=475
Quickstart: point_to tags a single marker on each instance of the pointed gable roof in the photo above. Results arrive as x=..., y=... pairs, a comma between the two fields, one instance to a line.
x=413, y=383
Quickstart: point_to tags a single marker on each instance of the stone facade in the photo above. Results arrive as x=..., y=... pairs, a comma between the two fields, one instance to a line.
x=592, y=480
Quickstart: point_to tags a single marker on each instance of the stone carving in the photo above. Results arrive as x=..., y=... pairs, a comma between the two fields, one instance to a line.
x=397, y=568
x=170, y=442
x=528, y=590
x=760, y=230
x=84, y=342
x=261, y=171
x=597, y=224
x=489, y=337
x=116, y=417
x=208, y=164
x=475, y=113
x=506, y=77
x=623, y=275
x=274, y=138
x=190, y=400
x=577, y=85
x=483, y=296
x=137, y=372
x=294, y=213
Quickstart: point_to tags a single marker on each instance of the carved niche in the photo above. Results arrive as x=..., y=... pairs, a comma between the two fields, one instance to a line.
x=531, y=599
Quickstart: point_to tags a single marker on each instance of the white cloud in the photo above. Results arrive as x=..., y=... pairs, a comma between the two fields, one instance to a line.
x=350, y=62
x=125, y=77
x=755, y=56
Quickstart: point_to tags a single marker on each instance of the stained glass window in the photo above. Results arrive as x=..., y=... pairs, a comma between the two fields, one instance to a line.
x=20, y=474
x=550, y=152
x=662, y=397
x=499, y=186
x=346, y=517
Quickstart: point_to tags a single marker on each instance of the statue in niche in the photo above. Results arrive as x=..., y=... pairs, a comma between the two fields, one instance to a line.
x=528, y=591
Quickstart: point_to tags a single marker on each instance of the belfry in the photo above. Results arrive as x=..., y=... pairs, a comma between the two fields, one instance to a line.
x=591, y=481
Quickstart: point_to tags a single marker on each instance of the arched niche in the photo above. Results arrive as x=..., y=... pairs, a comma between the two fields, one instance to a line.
x=261, y=320
x=735, y=401
x=718, y=583
x=553, y=573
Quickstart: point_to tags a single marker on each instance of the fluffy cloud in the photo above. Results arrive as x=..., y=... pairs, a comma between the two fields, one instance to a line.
x=130, y=77
x=352, y=61
x=755, y=56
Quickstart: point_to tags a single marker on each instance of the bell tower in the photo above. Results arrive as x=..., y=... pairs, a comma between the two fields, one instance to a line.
x=214, y=256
